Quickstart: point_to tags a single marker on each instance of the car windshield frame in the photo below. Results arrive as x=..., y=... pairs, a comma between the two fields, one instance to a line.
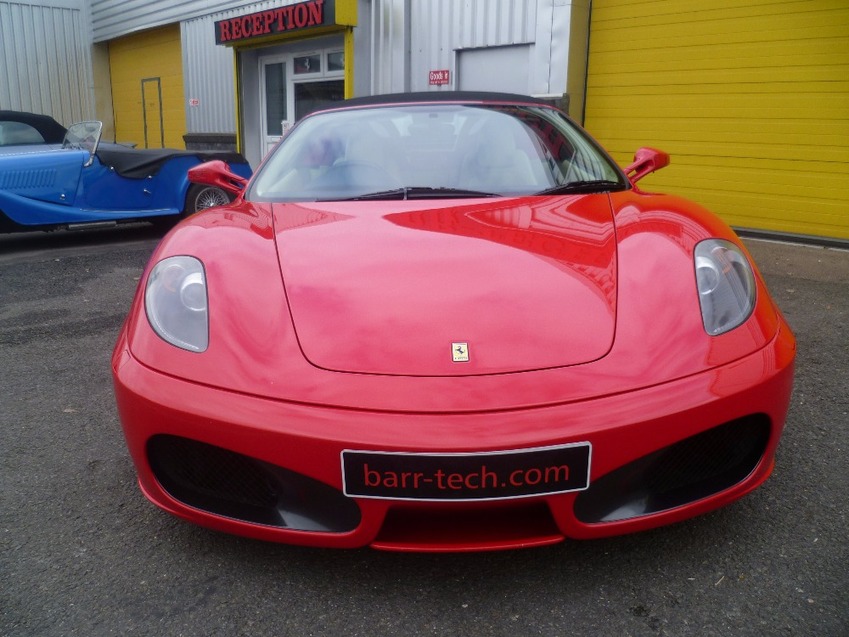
x=433, y=150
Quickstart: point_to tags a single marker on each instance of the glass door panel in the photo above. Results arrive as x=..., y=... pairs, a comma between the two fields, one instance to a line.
x=312, y=95
x=275, y=103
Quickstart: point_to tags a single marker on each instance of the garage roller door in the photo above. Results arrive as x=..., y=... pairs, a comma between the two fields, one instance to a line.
x=751, y=99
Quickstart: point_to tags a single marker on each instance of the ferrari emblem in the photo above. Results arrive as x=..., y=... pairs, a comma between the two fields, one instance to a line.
x=460, y=352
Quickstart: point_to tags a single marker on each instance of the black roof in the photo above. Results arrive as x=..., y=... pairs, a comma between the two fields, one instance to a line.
x=436, y=97
x=51, y=130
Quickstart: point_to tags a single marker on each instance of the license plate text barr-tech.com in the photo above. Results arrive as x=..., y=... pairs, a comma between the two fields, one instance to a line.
x=491, y=475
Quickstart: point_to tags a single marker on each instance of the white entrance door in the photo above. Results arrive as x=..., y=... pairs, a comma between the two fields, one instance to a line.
x=275, y=102
x=295, y=84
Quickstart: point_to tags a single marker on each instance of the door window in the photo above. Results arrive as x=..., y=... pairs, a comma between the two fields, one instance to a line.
x=275, y=98
x=312, y=95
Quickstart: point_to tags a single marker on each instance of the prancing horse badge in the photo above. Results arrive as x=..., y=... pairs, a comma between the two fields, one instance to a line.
x=460, y=352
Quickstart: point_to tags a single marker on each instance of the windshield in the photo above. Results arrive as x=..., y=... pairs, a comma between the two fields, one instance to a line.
x=433, y=150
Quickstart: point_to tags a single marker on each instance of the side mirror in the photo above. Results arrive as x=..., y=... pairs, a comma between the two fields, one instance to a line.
x=84, y=136
x=217, y=173
x=646, y=161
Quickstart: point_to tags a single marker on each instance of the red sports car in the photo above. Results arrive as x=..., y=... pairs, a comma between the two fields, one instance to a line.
x=449, y=322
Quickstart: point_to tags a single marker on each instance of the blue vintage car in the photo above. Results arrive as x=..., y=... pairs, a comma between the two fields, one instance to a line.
x=52, y=178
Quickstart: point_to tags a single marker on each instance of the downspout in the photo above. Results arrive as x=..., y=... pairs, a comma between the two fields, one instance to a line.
x=587, y=63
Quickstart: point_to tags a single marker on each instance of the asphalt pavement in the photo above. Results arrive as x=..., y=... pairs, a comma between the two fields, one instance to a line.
x=83, y=553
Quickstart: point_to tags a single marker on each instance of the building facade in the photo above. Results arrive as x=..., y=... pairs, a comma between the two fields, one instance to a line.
x=751, y=101
x=238, y=74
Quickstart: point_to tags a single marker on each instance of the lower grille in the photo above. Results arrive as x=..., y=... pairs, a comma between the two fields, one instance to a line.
x=689, y=470
x=236, y=486
x=472, y=527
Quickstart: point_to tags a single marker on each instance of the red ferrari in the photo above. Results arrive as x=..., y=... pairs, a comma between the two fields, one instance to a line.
x=449, y=322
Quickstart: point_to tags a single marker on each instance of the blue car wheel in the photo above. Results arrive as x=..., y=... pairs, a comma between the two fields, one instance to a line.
x=201, y=197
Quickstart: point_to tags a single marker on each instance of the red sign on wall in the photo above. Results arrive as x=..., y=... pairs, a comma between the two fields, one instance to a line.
x=442, y=76
x=293, y=17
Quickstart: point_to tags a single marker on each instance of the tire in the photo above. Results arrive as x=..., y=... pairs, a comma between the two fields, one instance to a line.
x=200, y=197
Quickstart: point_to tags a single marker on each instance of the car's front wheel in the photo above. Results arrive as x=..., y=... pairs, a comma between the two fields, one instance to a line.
x=200, y=197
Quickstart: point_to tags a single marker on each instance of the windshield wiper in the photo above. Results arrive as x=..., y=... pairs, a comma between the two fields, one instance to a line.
x=579, y=187
x=395, y=193
x=417, y=192
x=429, y=192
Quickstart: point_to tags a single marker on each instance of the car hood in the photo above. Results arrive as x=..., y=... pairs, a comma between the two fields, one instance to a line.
x=446, y=288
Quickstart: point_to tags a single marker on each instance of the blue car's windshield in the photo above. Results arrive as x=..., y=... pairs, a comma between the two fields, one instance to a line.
x=429, y=150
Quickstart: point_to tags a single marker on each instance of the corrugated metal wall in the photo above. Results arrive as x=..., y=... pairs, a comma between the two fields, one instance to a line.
x=750, y=99
x=114, y=18
x=479, y=23
x=44, y=60
x=208, y=78
x=388, y=22
x=443, y=26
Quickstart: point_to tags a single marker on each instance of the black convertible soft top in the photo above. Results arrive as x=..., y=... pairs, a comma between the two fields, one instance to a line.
x=436, y=96
x=52, y=131
x=140, y=163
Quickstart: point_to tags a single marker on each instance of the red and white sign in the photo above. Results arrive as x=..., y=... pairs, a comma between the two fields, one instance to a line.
x=442, y=76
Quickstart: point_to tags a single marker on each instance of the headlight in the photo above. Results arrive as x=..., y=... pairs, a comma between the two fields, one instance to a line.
x=175, y=303
x=726, y=285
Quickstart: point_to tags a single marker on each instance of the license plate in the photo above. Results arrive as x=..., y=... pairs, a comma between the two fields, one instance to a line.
x=492, y=475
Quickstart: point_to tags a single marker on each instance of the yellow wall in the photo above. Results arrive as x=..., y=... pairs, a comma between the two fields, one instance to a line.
x=750, y=99
x=145, y=56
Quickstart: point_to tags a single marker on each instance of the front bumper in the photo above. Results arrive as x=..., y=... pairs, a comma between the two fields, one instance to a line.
x=271, y=470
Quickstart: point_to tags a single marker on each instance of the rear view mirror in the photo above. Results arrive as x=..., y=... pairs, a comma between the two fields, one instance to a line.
x=646, y=161
x=217, y=173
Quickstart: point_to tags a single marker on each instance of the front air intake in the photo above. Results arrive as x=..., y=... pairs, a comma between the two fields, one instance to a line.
x=689, y=470
x=233, y=485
